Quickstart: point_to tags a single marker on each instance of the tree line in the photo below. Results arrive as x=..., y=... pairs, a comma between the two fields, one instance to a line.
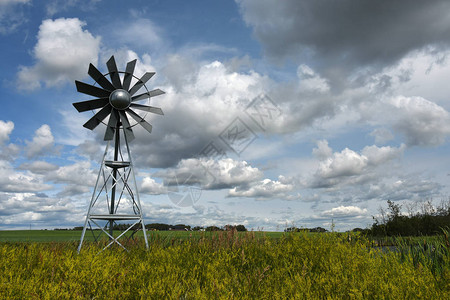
x=296, y=229
x=427, y=220
x=178, y=227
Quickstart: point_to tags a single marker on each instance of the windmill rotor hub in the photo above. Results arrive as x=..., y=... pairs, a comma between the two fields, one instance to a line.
x=120, y=99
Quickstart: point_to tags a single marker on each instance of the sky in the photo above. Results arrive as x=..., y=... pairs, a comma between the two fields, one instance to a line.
x=276, y=113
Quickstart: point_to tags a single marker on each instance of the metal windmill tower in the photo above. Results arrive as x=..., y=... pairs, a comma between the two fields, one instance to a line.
x=115, y=198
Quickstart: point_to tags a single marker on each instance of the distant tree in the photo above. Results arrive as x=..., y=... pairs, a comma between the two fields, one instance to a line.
x=241, y=228
x=186, y=227
x=229, y=227
x=235, y=227
x=291, y=229
x=315, y=229
x=394, y=210
x=124, y=226
x=318, y=229
x=157, y=226
x=213, y=228
x=180, y=227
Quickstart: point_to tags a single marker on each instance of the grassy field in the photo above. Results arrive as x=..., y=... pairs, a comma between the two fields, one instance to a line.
x=222, y=265
x=39, y=235
x=74, y=235
x=45, y=235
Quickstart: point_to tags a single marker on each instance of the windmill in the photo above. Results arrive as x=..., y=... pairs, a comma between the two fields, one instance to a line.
x=115, y=198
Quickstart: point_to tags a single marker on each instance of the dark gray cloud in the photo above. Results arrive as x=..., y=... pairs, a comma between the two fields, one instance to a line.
x=196, y=111
x=169, y=142
x=347, y=33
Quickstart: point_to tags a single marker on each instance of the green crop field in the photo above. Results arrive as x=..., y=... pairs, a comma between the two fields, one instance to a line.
x=39, y=235
x=43, y=235
x=221, y=265
x=75, y=235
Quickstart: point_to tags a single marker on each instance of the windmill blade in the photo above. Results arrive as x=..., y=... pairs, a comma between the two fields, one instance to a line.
x=112, y=126
x=140, y=120
x=152, y=109
x=90, y=104
x=126, y=126
x=113, y=72
x=91, y=90
x=98, y=117
x=128, y=74
x=100, y=78
x=141, y=82
x=146, y=95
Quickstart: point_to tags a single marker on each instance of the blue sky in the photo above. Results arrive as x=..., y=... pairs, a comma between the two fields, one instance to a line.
x=342, y=106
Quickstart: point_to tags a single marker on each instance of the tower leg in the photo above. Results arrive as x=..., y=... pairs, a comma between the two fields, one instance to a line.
x=138, y=200
x=93, y=199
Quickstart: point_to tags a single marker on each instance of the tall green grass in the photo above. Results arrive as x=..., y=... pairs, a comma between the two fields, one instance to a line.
x=224, y=265
x=430, y=253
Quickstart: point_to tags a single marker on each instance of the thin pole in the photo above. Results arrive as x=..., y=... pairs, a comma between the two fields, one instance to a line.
x=114, y=175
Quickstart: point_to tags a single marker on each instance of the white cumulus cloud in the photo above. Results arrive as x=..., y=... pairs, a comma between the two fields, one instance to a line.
x=62, y=53
x=424, y=123
x=379, y=155
x=5, y=130
x=70, y=174
x=211, y=174
x=264, y=189
x=150, y=186
x=42, y=143
x=345, y=211
x=349, y=166
x=344, y=163
x=12, y=181
x=139, y=32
